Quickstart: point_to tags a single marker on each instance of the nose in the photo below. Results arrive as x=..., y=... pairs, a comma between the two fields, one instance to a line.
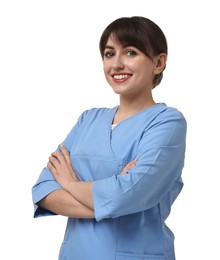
x=118, y=63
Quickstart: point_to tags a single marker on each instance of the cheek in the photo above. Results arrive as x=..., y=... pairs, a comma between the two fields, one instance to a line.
x=106, y=73
x=146, y=75
x=106, y=68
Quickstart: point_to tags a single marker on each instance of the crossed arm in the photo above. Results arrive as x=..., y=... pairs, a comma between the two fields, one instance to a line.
x=75, y=200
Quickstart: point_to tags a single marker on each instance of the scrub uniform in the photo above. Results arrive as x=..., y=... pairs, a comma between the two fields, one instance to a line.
x=130, y=210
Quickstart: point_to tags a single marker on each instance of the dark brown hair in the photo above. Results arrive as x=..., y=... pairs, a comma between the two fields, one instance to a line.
x=140, y=32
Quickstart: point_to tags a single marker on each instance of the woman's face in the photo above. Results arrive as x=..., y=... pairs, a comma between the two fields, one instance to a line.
x=128, y=70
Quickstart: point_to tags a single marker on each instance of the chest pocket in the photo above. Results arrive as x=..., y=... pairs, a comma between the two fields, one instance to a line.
x=92, y=168
x=127, y=256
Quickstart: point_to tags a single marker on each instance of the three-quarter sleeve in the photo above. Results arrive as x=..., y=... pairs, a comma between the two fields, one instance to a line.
x=46, y=182
x=160, y=156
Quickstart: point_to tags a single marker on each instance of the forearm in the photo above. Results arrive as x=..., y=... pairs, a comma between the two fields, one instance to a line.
x=63, y=203
x=82, y=191
x=61, y=167
x=63, y=172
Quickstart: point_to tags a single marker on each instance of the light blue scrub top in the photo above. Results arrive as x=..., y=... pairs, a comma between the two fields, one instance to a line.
x=130, y=210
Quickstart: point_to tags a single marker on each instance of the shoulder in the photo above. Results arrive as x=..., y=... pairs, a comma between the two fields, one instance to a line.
x=167, y=118
x=92, y=113
x=170, y=119
x=167, y=113
x=173, y=112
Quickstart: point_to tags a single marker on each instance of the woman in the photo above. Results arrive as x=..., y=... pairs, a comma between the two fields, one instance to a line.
x=118, y=171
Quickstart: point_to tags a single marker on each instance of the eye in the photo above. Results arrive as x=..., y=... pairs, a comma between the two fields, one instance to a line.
x=131, y=53
x=108, y=54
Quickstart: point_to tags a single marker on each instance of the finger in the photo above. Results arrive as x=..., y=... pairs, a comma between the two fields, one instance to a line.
x=54, y=161
x=49, y=165
x=124, y=172
x=129, y=166
x=65, y=153
x=132, y=163
x=59, y=156
x=51, y=168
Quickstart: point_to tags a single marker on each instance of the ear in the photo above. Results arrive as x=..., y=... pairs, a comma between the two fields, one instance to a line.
x=160, y=63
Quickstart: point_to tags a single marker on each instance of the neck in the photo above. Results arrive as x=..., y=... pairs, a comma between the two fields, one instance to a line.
x=130, y=107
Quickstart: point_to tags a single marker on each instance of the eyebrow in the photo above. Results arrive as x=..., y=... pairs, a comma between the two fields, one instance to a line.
x=109, y=47
x=126, y=46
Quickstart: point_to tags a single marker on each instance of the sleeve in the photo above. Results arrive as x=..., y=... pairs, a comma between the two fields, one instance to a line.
x=46, y=182
x=160, y=155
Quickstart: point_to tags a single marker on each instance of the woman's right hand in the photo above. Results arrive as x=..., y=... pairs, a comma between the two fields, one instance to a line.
x=60, y=166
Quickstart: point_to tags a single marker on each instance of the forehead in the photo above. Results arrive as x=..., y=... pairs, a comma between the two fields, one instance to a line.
x=113, y=42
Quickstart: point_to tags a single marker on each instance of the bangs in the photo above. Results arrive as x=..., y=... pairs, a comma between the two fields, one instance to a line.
x=127, y=33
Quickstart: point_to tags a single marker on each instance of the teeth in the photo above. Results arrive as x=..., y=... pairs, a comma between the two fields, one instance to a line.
x=120, y=76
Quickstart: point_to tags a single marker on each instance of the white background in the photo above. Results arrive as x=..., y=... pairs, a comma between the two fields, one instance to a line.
x=51, y=71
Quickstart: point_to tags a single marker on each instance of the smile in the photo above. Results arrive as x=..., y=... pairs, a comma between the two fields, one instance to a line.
x=120, y=77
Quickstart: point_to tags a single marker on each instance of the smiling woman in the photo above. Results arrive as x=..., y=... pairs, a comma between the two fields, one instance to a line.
x=131, y=73
x=118, y=171
x=143, y=34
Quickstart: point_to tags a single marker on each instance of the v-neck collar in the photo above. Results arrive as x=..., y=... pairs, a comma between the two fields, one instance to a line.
x=108, y=123
x=114, y=111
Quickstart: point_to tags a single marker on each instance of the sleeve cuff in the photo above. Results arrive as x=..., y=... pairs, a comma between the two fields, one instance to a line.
x=102, y=203
x=41, y=191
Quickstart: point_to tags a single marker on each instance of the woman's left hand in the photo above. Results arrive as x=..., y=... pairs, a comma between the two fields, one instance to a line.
x=128, y=167
x=60, y=166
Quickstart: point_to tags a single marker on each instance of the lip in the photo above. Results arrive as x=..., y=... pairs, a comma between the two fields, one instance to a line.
x=121, y=77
